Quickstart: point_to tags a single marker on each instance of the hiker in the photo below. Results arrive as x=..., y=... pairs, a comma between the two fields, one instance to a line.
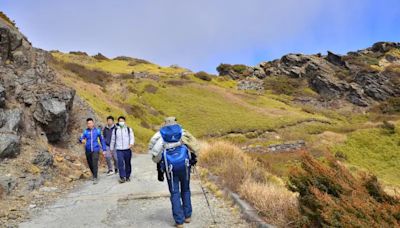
x=122, y=140
x=110, y=155
x=91, y=137
x=175, y=150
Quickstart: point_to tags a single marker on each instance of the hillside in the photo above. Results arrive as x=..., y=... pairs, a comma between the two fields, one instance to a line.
x=287, y=110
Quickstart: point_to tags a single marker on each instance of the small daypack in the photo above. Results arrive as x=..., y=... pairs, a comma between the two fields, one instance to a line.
x=176, y=156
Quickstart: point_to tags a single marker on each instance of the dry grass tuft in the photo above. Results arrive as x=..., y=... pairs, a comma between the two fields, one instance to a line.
x=244, y=175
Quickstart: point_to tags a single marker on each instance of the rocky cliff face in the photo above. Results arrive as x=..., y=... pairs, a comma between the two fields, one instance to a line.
x=35, y=112
x=362, y=78
x=31, y=100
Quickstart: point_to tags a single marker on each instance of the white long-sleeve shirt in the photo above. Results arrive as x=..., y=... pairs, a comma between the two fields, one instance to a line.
x=124, y=141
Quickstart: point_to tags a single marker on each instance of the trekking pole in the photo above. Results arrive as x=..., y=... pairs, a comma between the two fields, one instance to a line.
x=205, y=196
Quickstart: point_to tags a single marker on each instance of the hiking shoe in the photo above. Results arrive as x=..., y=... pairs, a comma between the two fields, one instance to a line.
x=128, y=179
x=179, y=225
x=95, y=181
x=188, y=220
x=110, y=172
x=121, y=180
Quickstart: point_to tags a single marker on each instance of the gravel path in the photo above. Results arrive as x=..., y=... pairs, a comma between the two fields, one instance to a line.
x=143, y=202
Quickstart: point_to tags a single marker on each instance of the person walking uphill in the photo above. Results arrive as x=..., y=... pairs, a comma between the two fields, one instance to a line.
x=122, y=140
x=175, y=150
x=91, y=137
x=110, y=154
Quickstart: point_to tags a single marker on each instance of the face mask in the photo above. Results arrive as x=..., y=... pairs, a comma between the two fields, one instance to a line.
x=121, y=124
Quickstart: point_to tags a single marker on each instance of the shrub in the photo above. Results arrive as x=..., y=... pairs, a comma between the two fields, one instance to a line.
x=203, y=76
x=285, y=85
x=82, y=53
x=92, y=76
x=330, y=196
x=223, y=69
x=390, y=106
x=100, y=56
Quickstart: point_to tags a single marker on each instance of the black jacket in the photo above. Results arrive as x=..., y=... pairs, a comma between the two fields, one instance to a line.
x=107, y=133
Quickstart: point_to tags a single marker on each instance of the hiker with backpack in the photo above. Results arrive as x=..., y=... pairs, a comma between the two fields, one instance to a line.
x=110, y=155
x=122, y=140
x=175, y=150
x=91, y=137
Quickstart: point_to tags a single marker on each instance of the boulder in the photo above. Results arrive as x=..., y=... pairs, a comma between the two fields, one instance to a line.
x=9, y=145
x=10, y=120
x=335, y=59
x=52, y=114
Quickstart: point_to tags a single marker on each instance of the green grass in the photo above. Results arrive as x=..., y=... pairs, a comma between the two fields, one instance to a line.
x=374, y=150
x=205, y=111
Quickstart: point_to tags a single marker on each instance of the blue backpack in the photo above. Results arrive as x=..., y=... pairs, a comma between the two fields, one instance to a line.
x=175, y=159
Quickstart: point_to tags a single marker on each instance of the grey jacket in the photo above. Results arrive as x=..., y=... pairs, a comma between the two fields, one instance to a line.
x=123, y=140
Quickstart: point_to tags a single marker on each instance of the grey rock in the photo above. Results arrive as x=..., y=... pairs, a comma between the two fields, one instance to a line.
x=335, y=59
x=9, y=145
x=43, y=158
x=10, y=120
x=375, y=85
x=35, y=183
x=250, y=84
x=52, y=114
x=285, y=147
x=2, y=97
x=384, y=46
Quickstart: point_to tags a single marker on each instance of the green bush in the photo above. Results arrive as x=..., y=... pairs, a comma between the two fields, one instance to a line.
x=223, y=69
x=203, y=76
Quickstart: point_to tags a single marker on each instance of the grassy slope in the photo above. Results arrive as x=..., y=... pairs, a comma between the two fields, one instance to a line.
x=217, y=108
x=200, y=107
x=374, y=150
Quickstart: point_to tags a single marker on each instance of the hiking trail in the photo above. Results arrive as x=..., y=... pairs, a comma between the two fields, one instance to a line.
x=143, y=202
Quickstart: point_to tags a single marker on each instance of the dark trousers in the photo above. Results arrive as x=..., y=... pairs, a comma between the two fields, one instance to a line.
x=93, y=162
x=124, y=163
x=179, y=187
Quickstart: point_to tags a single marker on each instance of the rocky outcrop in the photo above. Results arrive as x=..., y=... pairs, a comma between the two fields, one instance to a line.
x=31, y=100
x=358, y=77
x=250, y=84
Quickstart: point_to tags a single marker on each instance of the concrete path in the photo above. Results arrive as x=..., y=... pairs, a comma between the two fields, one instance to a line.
x=143, y=202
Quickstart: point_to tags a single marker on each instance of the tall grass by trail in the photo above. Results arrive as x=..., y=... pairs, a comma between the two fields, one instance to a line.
x=244, y=175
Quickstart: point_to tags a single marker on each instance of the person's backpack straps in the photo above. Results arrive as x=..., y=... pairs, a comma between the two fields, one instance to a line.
x=129, y=134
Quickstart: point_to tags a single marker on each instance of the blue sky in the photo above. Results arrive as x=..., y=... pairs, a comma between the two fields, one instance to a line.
x=202, y=34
